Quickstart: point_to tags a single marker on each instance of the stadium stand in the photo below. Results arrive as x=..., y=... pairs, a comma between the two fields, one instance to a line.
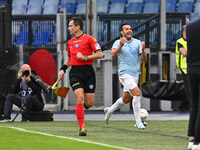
x=116, y=8
x=119, y=1
x=152, y=1
x=151, y=8
x=186, y=1
x=81, y=1
x=134, y=1
x=50, y=9
x=185, y=7
x=194, y=16
x=68, y=1
x=171, y=5
x=70, y=8
x=18, y=9
x=41, y=37
x=197, y=6
x=51, y=2
x=81, y=8
x=36, y=2
x=34, y=10
x=134, y=7
x=21, y=2
x=102, y=6
x=22, y=38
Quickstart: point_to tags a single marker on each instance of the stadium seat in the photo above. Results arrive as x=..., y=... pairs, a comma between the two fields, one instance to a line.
x=46, y=26
x=51, y=2
x=70, y=8
x=194, y=16
x=119, y=1
x=170, y=38
x=81, y=1
x=3, y=2
x=102, y=8
x=16, y=26
x=34, y=10
x=18, y=10
x=19, y=2
x=186, y=1
x=133, y=8
x=22, y=38
x=171, y=5
x=116, y=8
x=64, y=2
x=50, y=9
x=41, y=37
x=36, y=2
x=13, y=38
x=197, y=6
x=152, y=1
x=185, y=7
x=151, y=8
x=81, y=8
x=135, y=1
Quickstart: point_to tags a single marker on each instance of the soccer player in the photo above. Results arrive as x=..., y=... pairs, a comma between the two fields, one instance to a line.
x=82, y=76
x=129, y=51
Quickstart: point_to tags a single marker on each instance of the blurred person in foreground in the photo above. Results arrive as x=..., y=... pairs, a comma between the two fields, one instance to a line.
x=193, y=71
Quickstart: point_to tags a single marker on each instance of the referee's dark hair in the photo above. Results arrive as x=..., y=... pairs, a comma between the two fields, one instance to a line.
x=121, y=27
x=78, y=21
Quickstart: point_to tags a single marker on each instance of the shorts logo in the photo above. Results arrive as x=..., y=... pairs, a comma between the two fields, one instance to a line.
x=76, y=45
x=91, y=86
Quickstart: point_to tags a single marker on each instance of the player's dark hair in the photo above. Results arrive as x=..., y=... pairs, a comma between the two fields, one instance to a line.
x=121, y=27
x=77, y=21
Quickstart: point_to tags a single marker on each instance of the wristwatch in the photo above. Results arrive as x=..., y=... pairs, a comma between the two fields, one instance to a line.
x=86, y=58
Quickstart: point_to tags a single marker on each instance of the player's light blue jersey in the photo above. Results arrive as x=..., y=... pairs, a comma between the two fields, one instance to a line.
x=129, y=57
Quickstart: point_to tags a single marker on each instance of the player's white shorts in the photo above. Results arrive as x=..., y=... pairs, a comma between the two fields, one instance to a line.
x=128, y=81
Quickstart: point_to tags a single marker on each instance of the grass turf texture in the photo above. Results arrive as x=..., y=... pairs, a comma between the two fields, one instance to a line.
x=165, y=135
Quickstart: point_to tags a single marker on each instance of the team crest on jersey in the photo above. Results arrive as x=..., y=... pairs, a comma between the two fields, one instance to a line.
x=76, y=45
x=91, y=86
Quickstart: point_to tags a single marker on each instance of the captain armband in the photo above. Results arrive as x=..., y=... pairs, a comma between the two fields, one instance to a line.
x=64, y=68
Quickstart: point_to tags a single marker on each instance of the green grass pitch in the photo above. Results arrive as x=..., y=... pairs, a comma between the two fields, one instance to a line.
x=158, y=135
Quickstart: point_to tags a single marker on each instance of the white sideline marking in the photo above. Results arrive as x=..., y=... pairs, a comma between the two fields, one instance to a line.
x=69, y=138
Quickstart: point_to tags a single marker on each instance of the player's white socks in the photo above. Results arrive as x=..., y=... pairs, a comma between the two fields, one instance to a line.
x=118, y=104
x=136, y=107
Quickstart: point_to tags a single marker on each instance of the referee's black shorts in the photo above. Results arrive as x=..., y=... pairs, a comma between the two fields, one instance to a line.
x=83, y=77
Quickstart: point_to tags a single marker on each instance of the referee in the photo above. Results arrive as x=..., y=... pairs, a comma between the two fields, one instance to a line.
x=82, y=76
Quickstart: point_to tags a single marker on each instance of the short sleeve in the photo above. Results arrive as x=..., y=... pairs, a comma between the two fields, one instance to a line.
x=140, y=47
x=115, y=45
x=94, y=45
x=68, y=50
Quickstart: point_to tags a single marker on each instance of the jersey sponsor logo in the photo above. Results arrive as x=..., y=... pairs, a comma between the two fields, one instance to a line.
x=91, y=86
x=77, y=41
x=76, y=45
x=97, y=46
